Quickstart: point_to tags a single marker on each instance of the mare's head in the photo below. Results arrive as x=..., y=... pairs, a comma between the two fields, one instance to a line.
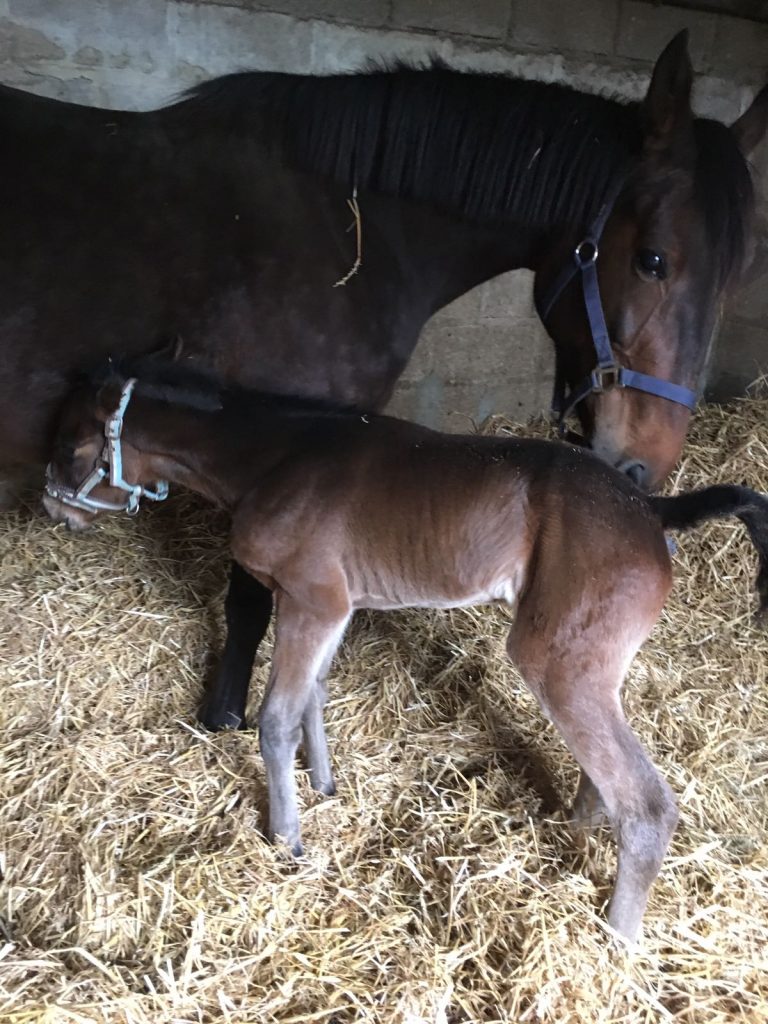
x=677, y=235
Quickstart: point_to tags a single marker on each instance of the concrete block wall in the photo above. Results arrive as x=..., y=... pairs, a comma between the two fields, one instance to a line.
x=487, y=351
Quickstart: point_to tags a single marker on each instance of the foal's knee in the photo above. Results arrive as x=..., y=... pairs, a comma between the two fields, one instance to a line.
x=279, y=734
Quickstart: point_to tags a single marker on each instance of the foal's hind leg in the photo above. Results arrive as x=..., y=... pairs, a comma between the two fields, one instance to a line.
x=577, y=683
x=315, y=741
x=588, y=809
x=306, y=639
x=248, y=609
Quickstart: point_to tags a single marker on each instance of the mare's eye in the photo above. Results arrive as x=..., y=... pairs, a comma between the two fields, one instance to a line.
x=650, y=265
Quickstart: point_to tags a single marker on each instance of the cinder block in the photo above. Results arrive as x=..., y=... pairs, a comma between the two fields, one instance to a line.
x=740, y=43
x=58, y=85
x=552, y=25
x=505, y=296
x=646, y=28
x=88, y=57
x=716, y=97
x=467, y=308
x=86, y=22
x=461, y=408
x=741, y=356
x=224, y=39
x=487, y=18
x=751, y=302
x=422, y=362
x=346, y=48
x=21, y=43
x=361, y=12
x=490, y=350
x=508, y=295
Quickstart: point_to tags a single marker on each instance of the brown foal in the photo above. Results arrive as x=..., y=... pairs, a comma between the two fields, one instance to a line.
x=335, y=511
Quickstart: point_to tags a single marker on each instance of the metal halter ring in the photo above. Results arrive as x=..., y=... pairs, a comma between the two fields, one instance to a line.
x=586, y=252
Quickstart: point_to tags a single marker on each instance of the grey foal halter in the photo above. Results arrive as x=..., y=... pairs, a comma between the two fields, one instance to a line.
x=110, y=467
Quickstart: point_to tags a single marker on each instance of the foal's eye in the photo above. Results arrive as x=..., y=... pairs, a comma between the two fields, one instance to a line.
x=650, y=265
x=65, y=452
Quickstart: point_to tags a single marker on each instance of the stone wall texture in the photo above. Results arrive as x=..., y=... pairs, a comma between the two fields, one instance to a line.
x=487, y=351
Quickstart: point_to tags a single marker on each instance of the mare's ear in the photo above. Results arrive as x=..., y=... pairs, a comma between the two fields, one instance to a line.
x=750, y=128
x=667, y=115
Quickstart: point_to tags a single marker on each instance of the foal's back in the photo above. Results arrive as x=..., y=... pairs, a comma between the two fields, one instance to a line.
x=408, y=517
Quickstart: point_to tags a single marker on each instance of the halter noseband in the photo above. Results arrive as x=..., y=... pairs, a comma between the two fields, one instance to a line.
x=111, y=467
x=607, y=374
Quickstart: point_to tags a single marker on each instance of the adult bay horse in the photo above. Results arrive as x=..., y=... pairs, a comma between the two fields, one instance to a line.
x=334, y=511
x=220, y=225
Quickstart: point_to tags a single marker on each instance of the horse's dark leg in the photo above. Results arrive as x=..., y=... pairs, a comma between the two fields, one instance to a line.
x=248, y=609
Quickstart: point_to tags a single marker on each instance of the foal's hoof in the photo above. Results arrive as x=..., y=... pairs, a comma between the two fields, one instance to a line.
x=295, y=849
x=220, y=719
x=327, y=787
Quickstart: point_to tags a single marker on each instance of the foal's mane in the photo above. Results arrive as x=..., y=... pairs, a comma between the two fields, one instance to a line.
x=488, y=146
x=196, y=387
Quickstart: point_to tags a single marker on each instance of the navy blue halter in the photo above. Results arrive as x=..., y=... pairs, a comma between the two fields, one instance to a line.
x=607, y=374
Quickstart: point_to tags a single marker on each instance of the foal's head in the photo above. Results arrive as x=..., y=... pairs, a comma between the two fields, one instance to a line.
x=677, y=236
x=81, y=471
x=78, y=449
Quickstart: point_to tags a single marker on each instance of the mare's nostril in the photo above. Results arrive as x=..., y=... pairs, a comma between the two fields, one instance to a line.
x=636, y=472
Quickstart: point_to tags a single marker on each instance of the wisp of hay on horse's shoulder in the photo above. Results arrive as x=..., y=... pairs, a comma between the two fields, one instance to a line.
x=334, y=511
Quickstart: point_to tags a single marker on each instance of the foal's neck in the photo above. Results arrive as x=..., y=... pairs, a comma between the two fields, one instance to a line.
x=217, y=454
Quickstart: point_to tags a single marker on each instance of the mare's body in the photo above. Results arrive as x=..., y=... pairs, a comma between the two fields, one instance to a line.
x=338, y=511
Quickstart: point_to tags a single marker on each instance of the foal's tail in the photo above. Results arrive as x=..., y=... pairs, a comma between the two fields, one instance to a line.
x=688, y=510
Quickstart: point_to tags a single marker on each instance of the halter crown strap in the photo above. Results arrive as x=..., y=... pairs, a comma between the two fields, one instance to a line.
x=607, y=374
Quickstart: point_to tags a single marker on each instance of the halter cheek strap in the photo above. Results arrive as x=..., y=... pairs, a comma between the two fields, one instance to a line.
x=111, y=467
x=607, y=374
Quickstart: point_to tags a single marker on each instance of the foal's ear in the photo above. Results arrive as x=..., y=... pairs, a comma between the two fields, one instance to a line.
x=750, y=128
x=108, y=397
x=667, y=104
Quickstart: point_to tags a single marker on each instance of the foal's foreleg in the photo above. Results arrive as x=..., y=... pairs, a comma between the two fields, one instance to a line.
x=248, y=609
x=305, y=642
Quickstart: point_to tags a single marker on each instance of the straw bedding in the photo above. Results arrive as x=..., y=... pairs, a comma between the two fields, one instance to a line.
x=440, y=885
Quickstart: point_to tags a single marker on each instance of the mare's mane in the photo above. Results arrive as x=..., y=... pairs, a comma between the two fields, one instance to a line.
x=487, y=146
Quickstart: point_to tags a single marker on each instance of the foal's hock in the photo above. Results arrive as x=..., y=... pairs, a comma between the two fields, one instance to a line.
x=335, y=511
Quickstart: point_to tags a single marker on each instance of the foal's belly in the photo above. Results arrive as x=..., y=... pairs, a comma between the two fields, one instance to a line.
x=385, y=595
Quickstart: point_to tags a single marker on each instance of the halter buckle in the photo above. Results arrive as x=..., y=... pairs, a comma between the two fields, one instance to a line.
x=605, y=378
